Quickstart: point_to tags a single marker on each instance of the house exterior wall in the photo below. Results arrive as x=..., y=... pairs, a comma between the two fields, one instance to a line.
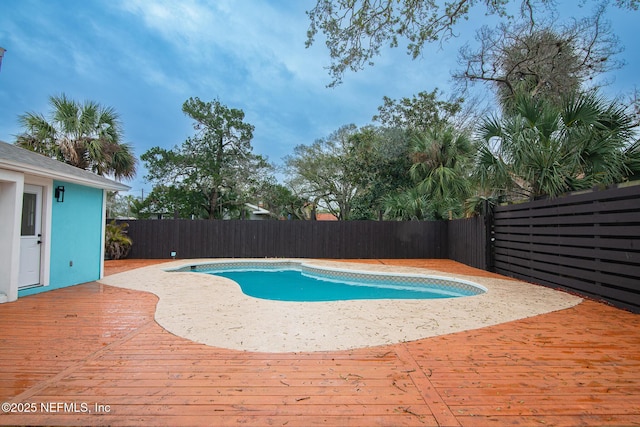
x=11, y=185
x=76, y=237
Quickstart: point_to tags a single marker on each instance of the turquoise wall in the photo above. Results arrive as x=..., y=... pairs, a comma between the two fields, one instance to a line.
x=76, y=238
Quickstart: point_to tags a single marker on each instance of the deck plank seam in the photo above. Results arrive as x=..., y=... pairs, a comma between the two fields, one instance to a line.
x=440, y=410
x=75, y=366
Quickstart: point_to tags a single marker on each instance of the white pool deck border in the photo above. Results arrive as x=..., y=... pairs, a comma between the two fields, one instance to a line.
x=213, y=310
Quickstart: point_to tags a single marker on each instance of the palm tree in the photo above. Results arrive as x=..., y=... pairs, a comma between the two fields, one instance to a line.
x=545, y=150
x=440, y=157
x=88, y=136
x=409, y=205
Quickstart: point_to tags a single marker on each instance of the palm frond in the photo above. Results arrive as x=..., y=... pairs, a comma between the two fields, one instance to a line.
x=85, y=135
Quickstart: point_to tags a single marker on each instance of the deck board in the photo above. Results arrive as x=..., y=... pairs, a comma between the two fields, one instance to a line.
x=95, y=344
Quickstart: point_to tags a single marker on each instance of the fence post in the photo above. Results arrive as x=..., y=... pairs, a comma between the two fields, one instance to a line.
x=488, y=210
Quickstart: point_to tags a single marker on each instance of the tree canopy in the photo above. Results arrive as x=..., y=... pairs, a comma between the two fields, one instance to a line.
x=542, y=149
x=209, y=174
x=356, y=31
x=420, y=112
x=85, y=135
x=350, y=172
x=325, y=173
x=441, y=158
x=382, y=158
x=544, y=59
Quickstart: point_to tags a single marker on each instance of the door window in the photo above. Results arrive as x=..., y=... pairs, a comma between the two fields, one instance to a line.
x=28, y=215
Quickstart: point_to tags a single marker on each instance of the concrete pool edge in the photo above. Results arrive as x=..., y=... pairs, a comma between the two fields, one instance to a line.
x=214, y=311
x=445, y=283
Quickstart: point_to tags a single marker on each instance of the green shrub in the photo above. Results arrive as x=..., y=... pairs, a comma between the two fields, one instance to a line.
x=117, y=243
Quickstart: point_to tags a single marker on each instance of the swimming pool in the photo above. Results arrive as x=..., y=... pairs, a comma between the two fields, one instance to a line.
x=298, y=282
x=214, y=311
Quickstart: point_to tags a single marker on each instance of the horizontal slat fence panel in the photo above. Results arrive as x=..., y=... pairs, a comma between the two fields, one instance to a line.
x=156, y=239
x=588, y=243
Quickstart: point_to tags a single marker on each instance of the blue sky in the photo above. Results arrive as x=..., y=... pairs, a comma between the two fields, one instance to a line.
x=145, y=58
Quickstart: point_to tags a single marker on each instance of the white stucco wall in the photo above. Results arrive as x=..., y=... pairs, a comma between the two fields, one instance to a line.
x=11, y=189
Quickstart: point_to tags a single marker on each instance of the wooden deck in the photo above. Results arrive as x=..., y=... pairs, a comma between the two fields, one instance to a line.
x=93, y=355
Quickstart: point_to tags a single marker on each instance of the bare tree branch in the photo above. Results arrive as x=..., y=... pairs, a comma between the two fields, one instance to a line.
x=355, y=31
x=546, y=59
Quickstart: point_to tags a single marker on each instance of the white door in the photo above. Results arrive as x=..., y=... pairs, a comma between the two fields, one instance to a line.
x=30, y=236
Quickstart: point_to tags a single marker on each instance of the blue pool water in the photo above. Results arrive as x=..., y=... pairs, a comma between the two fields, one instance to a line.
x=293, y=285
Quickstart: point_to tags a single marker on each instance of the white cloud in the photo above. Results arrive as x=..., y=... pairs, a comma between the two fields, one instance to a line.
x=269, y=43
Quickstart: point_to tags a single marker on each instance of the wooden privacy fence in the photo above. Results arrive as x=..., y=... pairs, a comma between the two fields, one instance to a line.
x=588, y=243
x=469, y=241
x=291, y=239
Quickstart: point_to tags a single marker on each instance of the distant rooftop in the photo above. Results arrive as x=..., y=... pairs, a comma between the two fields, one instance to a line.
x=325, y=216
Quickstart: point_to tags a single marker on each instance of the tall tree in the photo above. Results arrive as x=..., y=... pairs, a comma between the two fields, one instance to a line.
x=85, y=135
x=169, y=201
x=119, y=206
x=542, y=59
x=420, y=112
x=281, y=201
x=215, y=165
x=428, y=110
x=545, y=150
x=356, y=31
x=325, y=173
x=441, y=160
x=381, y=156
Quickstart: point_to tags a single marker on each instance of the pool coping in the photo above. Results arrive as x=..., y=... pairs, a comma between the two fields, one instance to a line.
x=447, y=285
x=213, y=310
